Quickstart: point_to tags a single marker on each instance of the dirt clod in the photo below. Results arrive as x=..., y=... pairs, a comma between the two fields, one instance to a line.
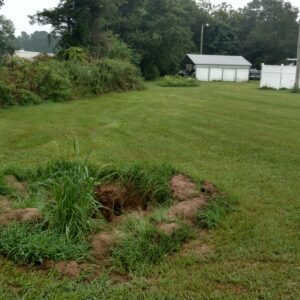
x=68, y=268
x=183, y=187
x=102, y=244
x=169, y=229
x=12, y=182
x=26, y=215
x=187, y=210
x=116, y=199
x=4, y=204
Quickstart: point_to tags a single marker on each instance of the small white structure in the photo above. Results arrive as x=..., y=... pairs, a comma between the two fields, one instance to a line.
x=278, y=77
x=29, y=54
x=217, y=67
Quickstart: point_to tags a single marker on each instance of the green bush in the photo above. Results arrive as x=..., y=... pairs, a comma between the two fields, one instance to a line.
x=6, y=95
x=24, y=243
x=24, y=82
x=176, y=81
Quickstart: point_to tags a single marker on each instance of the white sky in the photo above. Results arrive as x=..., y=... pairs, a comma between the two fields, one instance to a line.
x=18, y=10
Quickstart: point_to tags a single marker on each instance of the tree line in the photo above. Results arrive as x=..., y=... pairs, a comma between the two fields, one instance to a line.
x=161, y=32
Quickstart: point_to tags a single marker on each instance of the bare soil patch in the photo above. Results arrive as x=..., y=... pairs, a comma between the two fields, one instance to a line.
x=5, y=204
x=12, y=182
x=102, y=243
x=169, y=229
x=188, y=209
x=68, y=268
x=183, y=187
x=26, y=215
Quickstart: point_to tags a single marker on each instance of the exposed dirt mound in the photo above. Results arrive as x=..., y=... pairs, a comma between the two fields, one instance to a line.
x=169, y=229
x=12, y=182
x=117, y=199
x=183, y=187
x=27, y=215
x=188, y=209
x=4, y=204
x=68, y=268
x=102, y=244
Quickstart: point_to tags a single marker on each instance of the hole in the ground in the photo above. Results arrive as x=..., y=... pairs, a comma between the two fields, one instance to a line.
x=116, y=199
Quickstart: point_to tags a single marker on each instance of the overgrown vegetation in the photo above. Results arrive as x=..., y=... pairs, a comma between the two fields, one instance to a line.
x=44, y=79
x=144, y=244
x=178, y=81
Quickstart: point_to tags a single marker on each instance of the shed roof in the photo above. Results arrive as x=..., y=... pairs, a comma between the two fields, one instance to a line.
x=199, y=59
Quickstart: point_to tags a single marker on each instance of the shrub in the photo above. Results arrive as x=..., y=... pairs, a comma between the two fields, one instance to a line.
x=26, y=97
x=24, y=243
x=24, y=82
x=176, y=81
x=144, y=244
x=6, y=95
x=214, y=213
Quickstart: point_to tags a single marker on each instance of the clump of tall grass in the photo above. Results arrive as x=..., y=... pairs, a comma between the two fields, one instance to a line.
x=27, y=243
x=144, y=244
x=215, y=212
x=178, y=81
x=73, y=204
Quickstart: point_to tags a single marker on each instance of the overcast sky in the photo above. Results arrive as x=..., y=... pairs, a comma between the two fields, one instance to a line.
x=18, y=10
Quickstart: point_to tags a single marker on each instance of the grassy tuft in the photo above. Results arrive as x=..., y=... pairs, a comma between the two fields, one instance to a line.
x=73, y=205
x=24, y=243
x=215, y=212
x=176, y=81
x=144, y=244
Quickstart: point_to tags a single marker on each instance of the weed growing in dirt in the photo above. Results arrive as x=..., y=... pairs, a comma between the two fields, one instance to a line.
x=216, y=210
x=25, y=243
x=144, y=244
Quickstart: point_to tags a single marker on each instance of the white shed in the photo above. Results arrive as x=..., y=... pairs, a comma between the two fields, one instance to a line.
x=217, y=67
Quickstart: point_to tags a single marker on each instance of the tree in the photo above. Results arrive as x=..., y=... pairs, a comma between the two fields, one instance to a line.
x=6, y=35
x=159, y=30
x=268, y=31
x=79, y=22
x=39, y=41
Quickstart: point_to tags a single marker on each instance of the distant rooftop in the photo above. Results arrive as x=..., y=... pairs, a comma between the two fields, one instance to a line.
x=199, y=59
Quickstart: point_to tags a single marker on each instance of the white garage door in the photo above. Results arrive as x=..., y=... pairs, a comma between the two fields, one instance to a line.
x=216, y=74
x=242, y=75
x=202, y=74
x=229, y=74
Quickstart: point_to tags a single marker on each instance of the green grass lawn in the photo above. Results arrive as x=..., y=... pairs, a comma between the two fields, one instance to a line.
x=245, y=140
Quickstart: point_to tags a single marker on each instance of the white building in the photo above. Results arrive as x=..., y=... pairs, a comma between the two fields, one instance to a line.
x=278, y=77
x=217, y=67
x=29, y=54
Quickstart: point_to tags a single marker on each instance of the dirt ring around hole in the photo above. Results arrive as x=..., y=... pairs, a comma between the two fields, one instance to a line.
x=26, y=215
